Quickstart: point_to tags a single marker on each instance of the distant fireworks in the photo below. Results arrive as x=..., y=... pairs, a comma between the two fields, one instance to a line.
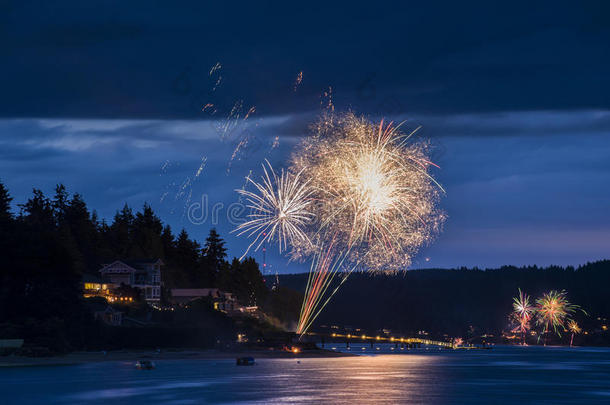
x=360, y=196
x=523, y=311
x=552, y=311
x=574, y=329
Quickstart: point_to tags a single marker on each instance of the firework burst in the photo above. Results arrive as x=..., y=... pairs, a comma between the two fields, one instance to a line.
x=523, y=311
x=574, y=329
x=372, y=190
x=554, y=310
x=374, y=202
x=280, y=209
x=356, y=195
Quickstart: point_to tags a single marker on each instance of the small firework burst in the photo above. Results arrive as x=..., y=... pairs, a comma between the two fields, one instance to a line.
x=522, y=313
x=574, y=328
x=280, y=209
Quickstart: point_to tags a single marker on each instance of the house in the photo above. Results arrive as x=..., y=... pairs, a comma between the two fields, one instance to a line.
x=94, y=286
x=143, y=274
x=222, y=301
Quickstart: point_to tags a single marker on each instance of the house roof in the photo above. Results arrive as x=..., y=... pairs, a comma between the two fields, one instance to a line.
x=125, y=268
x=132, y=265
x=142, y=262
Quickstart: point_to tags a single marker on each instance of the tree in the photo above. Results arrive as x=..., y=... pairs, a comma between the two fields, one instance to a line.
x=245, y=280
x=255, y=290
x=186, y=259
x=214, y=248
x=146, y=237
x=5, y=204
x=85, y=233
x=60, y=203
x=167, y=241
x=214, y=254
x=37, y=212
x=120, y=232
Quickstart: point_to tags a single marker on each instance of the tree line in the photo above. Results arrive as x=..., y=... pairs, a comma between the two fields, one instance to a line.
x=52, y=241
x=461, y=302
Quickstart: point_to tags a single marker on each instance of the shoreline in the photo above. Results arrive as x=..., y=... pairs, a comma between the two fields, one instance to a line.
x=76, y=358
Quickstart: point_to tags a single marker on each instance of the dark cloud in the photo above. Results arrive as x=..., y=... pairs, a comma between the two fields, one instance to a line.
x=505, y=193
x=152, y=60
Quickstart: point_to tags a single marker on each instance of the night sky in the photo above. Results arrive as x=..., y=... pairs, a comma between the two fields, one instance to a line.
x=107, y=97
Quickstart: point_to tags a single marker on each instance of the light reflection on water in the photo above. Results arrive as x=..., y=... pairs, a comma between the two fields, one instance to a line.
x=503, y=376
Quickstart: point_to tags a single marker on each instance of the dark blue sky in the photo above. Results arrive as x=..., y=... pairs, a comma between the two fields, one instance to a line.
x=106, y=97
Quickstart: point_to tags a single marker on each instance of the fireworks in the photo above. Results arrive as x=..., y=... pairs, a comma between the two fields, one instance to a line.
x=372, y=191
x=574, y=329
x=356, y=195
x=553, y=310
x=280, y=209
x=523, y=312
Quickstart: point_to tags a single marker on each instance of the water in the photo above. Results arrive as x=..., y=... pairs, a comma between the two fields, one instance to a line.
x=504, y=375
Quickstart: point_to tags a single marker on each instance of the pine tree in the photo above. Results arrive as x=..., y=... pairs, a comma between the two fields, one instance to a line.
x=37, y=212
x=60, y=203
x=147, y=228
x=213, y=257
x=5, y=204
x=84, y=229
x=214, y=248
x=167, y=240
x=121, y=232
x=186, y=260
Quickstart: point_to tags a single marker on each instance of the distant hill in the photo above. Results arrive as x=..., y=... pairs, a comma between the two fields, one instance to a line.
x=450, y=301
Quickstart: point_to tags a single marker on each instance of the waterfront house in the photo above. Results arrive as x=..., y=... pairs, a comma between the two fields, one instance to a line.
x=142, y=274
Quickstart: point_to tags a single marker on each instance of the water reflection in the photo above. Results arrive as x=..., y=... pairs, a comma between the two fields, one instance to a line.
x=502, y=375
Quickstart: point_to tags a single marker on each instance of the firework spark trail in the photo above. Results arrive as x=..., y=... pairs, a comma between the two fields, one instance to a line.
x=204, y=160
x=215, y=70
x=317, y=301
x=298, y=81
x=326, y=100
x=319, y=284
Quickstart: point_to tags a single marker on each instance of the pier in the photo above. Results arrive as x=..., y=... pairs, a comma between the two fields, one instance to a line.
x=408, y=342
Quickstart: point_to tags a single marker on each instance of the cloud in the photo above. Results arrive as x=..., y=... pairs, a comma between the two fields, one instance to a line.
x=117, y=62
x=510, y=177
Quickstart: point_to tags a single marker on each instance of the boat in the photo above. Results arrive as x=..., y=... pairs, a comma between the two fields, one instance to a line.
x=245, y=361
x=145, y=365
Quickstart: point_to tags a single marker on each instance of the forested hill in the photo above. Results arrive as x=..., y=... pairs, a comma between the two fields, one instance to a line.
x=450, y=301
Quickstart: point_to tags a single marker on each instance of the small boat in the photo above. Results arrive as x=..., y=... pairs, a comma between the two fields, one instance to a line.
x=245, y=361
x=145, y=365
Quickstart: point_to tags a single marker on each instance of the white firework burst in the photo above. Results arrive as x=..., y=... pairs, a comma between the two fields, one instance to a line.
x=280, y=209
